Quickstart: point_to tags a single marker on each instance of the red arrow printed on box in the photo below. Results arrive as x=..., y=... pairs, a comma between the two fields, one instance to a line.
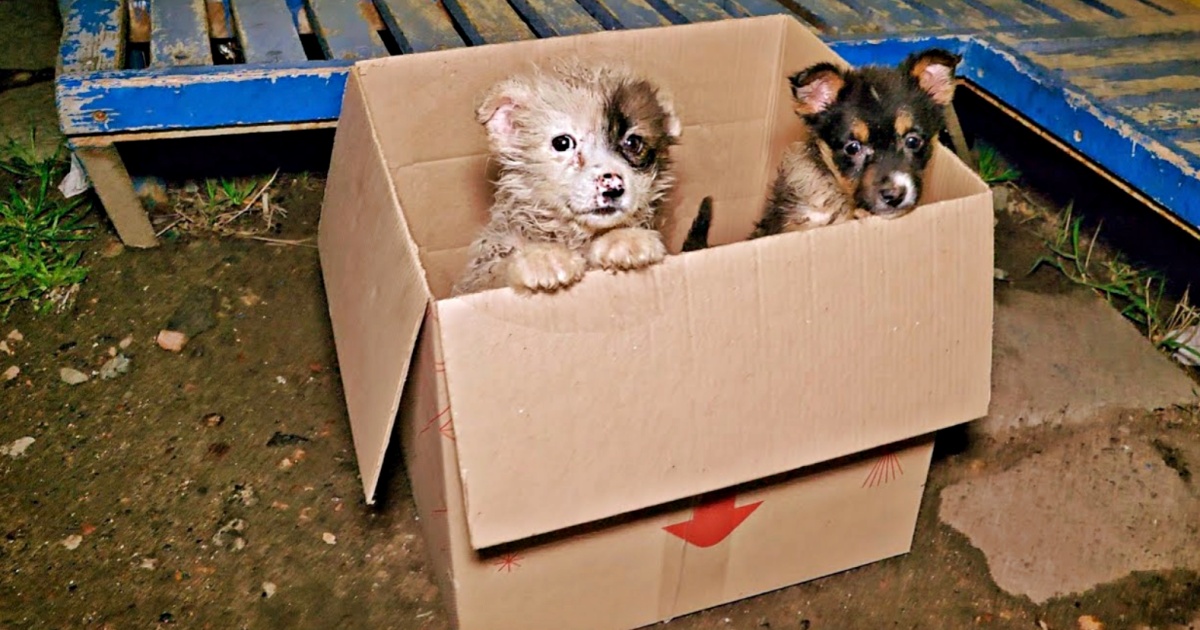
x=713, y=522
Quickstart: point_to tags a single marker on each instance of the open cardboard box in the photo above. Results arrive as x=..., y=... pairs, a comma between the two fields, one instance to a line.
x=648, y=444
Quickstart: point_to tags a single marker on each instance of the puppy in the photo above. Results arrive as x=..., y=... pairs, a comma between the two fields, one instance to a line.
x=584, y=164
x=871, y=132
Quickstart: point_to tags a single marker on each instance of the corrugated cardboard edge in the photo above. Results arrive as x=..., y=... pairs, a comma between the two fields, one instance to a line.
x=376, y=289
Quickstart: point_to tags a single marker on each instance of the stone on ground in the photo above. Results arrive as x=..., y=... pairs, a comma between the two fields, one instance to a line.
x=1089, y=509
x=1061, y=358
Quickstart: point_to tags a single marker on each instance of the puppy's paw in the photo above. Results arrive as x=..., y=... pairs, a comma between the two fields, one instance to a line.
x=627, y=248
x=543, y=267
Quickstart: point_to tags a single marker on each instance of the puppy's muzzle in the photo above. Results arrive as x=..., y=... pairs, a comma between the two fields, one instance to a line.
x=611, y=186
x=893, y=194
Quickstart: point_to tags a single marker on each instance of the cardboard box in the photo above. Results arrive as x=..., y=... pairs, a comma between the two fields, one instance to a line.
x=644, y=445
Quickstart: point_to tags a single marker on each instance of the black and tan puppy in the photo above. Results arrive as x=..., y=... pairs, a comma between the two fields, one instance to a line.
x=584, y=157
x=871, y=133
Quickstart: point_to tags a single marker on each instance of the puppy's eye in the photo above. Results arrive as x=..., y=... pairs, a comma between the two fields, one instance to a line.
x=912, y=142
x=852, y=147
x=634, y=144
x=563, y=143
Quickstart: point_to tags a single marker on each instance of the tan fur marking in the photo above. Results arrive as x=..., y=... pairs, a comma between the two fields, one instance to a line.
x=860, y=131
x=904, y=122
x=847, y=187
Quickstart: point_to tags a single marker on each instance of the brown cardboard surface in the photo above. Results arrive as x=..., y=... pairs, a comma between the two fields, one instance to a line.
x=634, y=571
x=373, y=283
x=716, y=369
x=564, y=435
x=814, y=328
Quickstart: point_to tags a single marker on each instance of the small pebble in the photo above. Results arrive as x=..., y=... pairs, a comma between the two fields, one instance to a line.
x=268, y=589
x=126, y=342
x=71, y=376
x=15, y=335
x=285, y=464
x=1088, y=622
x=114, y=367
x=112, y=249
x=11, y=373
x=5, y=349
x=329, y=538
x=72, y=542
x=999, y=274
x=213, y=420
x=172, y=340
x=148, y=563
x=17, y=447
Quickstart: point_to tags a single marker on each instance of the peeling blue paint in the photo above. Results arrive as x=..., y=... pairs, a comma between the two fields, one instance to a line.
x=197, y=97
x=92, y=35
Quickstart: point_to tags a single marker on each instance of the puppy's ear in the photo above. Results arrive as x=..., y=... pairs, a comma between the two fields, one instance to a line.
x=671, y=123
x=816, y=88
x=933, y=70
x=496, y=112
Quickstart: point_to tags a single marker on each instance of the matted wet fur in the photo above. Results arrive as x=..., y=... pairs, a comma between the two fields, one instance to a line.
x=870, y=134
x=584, y=164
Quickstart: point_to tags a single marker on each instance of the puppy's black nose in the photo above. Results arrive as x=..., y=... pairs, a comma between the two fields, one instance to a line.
x=893, y=194
x=611, y=186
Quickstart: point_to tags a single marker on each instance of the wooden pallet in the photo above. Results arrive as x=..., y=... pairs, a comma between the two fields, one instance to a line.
x=1114, y=81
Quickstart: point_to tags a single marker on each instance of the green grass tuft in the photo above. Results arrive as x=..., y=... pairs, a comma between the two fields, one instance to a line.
x=1139, y=294
x=993, y=169
x=38, y=228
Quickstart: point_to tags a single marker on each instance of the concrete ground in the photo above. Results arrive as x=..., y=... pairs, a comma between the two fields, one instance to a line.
x=1072, y=505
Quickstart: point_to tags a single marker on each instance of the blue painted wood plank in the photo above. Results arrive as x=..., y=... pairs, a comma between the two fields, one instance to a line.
x=1162, y=109
x=1137, y=71
x=894, y=15
x=1047, y=7
x=488, y=21
x=1121, y=145
x=689, y=11
x=1126, y=52
x=1137, y=78
x=179, y=33
x=1174, y=7
x=956, y=14
x=827, y=15
x=267, y=31
x=419, y=26
x=195, y=97
x=93, y=36
x=344, y=30
x=1091, y=44
x=554, y=18
x=1065, y=37
x=1016, y=11
x=627, y=14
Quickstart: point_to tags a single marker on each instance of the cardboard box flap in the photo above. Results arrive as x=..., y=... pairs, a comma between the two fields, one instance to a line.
x=718, y=367
x=376, y=289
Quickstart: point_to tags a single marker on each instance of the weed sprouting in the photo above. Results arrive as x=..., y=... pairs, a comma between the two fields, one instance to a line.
x=38, y=228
